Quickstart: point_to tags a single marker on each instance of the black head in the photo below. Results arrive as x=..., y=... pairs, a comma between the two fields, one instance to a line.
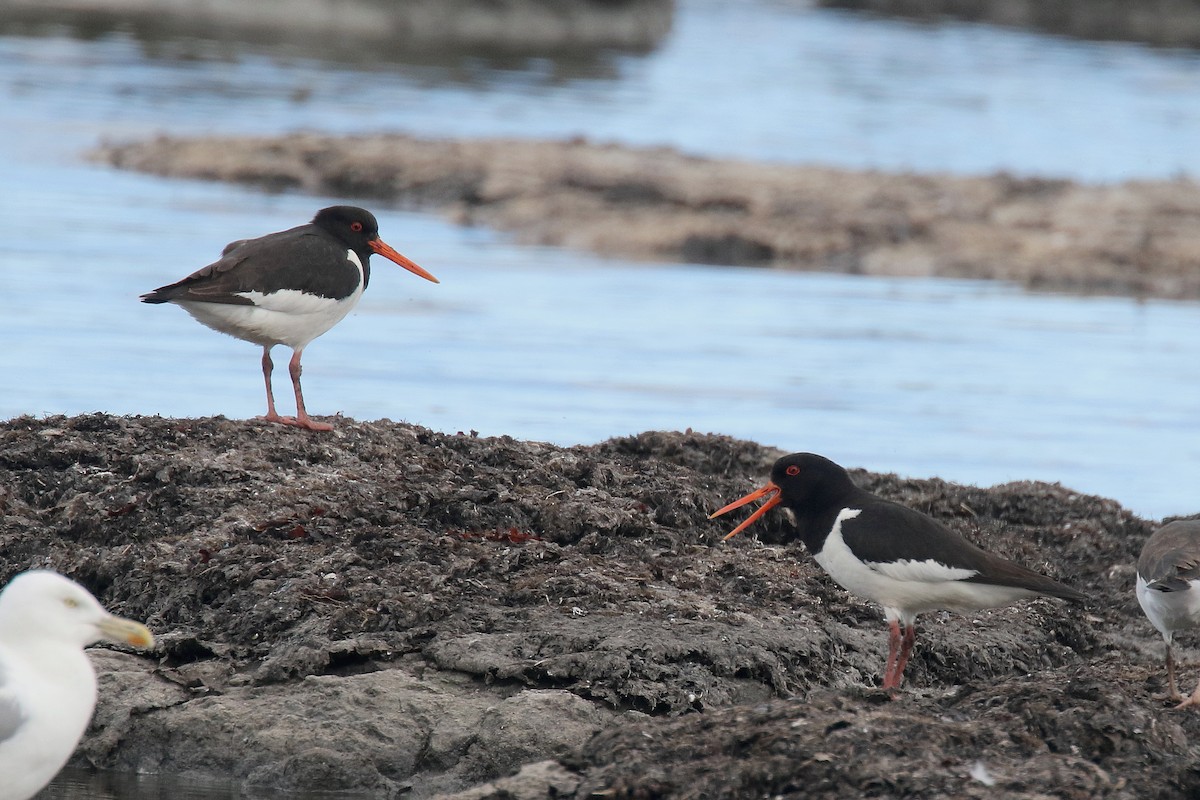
x=358, y=229
x=352, y=226
x=802, y=482
x=807, y=478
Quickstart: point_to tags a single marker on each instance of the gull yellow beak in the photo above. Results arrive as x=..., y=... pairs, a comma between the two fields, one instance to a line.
x=119, y=629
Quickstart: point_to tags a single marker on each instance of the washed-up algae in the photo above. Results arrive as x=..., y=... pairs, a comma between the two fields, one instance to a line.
x=396, y=611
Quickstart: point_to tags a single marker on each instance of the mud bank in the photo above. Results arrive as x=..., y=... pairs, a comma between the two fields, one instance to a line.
x=400, y=612
x=1138, y=238
x=1165, y=23
x=415, y=30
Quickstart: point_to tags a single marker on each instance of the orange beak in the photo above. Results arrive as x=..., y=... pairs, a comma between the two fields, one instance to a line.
x=774, y=498
x=384, y=249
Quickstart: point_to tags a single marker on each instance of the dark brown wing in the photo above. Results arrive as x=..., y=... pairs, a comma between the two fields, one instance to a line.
x=304, y=259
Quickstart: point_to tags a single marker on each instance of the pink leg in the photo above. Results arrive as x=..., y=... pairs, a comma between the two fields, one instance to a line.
x=268, y=367
x=906, y=646
x=302, y=419
x=891, y=677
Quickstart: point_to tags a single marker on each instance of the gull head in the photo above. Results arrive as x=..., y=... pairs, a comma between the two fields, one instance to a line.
x=43, y=606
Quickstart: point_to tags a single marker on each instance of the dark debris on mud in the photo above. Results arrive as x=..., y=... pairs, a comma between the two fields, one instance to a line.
x=402, y=612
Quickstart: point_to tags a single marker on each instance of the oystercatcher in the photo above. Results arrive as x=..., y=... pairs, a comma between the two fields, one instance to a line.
x=287, y=288
x=900, y=558
x=1168, y=589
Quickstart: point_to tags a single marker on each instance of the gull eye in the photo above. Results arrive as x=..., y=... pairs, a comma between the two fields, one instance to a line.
x=70, y=602
x=356, y=227
x=793, y=470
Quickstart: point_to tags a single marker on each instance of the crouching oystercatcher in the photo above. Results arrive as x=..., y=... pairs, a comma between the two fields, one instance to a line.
x=896, y=556
x=287, y=288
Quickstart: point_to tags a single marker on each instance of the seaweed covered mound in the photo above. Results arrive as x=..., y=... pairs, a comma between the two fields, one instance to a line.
x=392, y=610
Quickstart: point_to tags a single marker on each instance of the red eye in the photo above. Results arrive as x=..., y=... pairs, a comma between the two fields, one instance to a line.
x=792, y=470
x=356, y=226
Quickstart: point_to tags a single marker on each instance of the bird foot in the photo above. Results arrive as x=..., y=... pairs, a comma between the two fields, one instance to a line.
x=297, y=422
x=1166, y=698
x=892, y=692
x=1194, y=700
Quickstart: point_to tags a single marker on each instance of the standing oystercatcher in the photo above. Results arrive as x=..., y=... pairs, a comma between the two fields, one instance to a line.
x=900, y=558
x=287, y=288
x=1168, y=589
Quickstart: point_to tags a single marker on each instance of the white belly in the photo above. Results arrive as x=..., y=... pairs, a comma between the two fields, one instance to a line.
x=1170, y=611
x=284, y=317
x=287, y=316
x=906, y=588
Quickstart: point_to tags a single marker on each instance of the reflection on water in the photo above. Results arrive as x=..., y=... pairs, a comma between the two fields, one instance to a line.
x=81, y=784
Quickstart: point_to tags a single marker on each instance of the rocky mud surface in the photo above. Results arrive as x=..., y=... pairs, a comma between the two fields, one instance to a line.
x=397, y=612
x=1136, y=238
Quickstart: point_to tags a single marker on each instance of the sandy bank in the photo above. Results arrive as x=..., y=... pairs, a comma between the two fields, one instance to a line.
x=1137, y=238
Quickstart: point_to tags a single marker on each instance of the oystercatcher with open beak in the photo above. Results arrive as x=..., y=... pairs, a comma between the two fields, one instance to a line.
x=287, y=288
x=897, y=557
x=1168, y=590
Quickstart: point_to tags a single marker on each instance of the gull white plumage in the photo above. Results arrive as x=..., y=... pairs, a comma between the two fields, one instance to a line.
x=47, y=683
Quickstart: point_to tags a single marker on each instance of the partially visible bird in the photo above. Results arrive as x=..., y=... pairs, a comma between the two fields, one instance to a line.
x=897, y=557
x=287, y=288
x=1168, y=589
x=47, y=683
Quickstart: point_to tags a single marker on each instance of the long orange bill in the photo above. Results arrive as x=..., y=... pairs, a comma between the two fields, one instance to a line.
x=384, y=249
x=774, y=498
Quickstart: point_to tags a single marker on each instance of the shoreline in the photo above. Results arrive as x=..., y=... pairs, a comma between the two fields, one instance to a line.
x=1139, y=238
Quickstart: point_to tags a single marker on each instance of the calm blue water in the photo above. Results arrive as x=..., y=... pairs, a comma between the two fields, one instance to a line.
x=974, y=382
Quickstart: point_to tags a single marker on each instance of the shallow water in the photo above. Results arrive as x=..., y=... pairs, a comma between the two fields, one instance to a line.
x=974, y=382
x=978, y=383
